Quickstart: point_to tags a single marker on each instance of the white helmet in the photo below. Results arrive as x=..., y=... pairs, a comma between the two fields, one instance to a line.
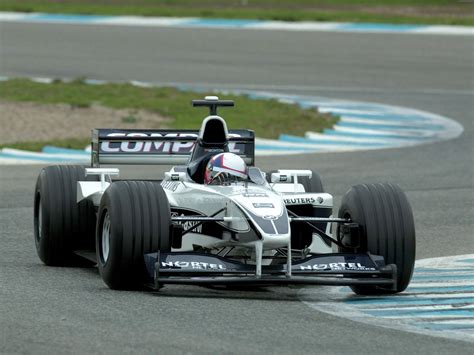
x=225, y=168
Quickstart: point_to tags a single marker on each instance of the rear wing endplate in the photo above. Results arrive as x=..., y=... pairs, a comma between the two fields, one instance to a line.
x=147, y=147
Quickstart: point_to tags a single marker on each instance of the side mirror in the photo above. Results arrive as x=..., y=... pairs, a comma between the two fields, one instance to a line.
x=287, y=176
x=175, y=176
x=282, y=178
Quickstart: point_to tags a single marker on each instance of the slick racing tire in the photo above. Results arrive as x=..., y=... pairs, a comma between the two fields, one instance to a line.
x=387, y=228
x=134, y=218
x=61, y=225
x=313, y=184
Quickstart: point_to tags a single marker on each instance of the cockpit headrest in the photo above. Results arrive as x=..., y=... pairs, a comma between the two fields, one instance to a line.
x=213, y=131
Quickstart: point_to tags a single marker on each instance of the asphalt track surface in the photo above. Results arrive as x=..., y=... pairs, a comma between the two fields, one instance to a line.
x=63, y=310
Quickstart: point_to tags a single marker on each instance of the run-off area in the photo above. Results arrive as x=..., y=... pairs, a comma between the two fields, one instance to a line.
x=439, y=300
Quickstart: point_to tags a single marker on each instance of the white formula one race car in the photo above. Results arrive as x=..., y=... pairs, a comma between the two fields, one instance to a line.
x=217, y=219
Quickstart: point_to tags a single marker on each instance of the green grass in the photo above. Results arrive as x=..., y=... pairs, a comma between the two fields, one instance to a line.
x=440, y=11
x=71, y=143
x=268, y=118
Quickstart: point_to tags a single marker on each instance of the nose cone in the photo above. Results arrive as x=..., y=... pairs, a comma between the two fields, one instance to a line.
x=268, y=214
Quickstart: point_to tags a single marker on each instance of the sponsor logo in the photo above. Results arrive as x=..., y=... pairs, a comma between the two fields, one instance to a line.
x=299, y=201
x=156, y=147
x=148, y=147
x=337, y=266
x=270, y=217
x=188, y=224
x=255, y=194
x=263, y=205
x=197, y=265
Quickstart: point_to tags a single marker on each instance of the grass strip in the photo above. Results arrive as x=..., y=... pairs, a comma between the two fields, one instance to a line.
x=445, y=12
x=268, y=118
x=71, y=143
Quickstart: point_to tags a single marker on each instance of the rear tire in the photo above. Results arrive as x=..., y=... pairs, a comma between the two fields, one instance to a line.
x=313, y=184
x=61, y=225
x=387, y=229
x=134, y=219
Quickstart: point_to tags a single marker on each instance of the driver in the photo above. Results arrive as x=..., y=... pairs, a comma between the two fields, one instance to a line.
x=224, y=169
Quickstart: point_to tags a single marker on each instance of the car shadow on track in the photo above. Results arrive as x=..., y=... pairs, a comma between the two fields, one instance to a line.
x=241, y=293
x=268, y=293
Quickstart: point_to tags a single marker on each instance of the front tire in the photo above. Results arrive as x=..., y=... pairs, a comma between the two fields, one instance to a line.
x=387, y=228
x=61, y=225
x=134, y=219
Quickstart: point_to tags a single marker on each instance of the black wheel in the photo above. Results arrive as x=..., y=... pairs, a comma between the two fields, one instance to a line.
x=134, y=219
x=387, y=229
x=313, y=184
x=61, y=225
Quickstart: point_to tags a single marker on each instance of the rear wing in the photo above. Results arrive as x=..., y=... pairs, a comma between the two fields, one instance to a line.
x=147, y=147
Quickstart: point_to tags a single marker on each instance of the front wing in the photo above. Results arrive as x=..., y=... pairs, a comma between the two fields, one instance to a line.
x=324, y=269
